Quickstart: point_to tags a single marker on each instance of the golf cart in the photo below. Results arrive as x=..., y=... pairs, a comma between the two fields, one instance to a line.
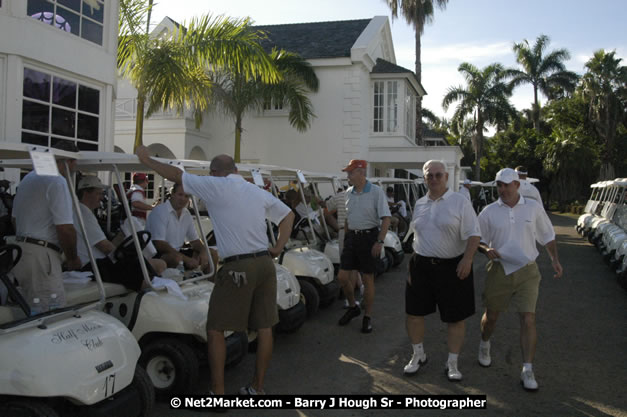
x=69, y=361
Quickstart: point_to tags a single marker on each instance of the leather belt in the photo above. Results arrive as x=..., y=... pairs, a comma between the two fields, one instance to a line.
x=364, y=231
x=38, y=242
x=246, y=256
x=438, y=261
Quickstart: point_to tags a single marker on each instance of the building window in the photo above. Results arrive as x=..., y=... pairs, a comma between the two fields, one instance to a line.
x=271, y=105
x=84, y=18
x=386, y=107
x=150, y=189
x=57, y=109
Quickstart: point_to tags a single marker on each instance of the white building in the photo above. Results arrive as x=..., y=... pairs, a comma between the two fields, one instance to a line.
x=365, y=109
x=58, y=71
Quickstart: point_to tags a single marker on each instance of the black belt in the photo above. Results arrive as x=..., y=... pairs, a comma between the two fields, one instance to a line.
x=364, y=231
x=245, y=256
x=438, y=261
x=38, y=242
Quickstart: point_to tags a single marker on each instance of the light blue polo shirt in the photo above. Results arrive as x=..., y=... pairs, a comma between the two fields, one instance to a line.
x=365, y=209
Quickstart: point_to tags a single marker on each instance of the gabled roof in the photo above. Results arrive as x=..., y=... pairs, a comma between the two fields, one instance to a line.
x=386, y=67
x=315, y=40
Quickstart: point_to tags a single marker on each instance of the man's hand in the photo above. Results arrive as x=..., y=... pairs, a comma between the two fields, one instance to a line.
x=190, y=263
x=142, y=153
x=274, y=251
x=73, y=264
x=557, y=267
x=463, y=268
x=492, y=254
x=376, y=250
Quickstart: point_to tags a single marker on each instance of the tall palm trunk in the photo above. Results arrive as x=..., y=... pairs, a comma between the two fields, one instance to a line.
x=139, y=120
x=419, y=138
x=238, y=138
x=536, y=109
x=478, y=145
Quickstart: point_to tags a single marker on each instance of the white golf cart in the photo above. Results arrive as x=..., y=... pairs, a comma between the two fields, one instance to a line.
x=74, y=360
x=169, y=328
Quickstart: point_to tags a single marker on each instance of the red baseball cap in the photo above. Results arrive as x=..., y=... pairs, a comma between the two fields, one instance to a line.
x=140, y=177
x=355, y=163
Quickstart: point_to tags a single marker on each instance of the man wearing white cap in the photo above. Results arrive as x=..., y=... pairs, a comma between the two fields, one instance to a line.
x=510, y=228
x=527, y=189
x=465, y=189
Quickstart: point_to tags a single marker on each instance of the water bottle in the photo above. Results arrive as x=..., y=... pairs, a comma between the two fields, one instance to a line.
x=181, y=267
x=35, y=308
x=53, y=303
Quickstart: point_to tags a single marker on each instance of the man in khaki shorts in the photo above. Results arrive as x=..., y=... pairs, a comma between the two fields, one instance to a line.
x=510, y=228
x=244, y=296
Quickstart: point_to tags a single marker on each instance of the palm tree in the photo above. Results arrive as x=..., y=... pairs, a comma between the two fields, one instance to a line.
x=546, y=73
x=170, y=71
x=417, y=13
x=485, y=99
x=234, y=94
x=604, y=88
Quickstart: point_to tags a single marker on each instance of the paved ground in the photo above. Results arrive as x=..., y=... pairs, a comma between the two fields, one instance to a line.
x=580, y=360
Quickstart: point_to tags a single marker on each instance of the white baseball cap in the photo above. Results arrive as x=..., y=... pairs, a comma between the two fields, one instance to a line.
x=507, y=175
x=90, y=181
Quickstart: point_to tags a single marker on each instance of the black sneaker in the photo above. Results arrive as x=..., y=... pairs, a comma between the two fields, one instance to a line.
x=350, y=314
x=366, y=326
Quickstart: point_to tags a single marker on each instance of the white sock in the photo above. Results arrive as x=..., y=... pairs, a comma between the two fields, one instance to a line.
x=418, y=349
x=452, y=357
x=527, y=367
x=361, y=290
x=484, y=344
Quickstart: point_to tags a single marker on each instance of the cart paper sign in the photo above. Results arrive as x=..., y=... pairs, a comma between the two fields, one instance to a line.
x=301, y=177
x=257, y=177
x=44, y=163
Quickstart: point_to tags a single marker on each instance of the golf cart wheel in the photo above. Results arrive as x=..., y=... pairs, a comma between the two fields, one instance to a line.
x=171, y=365
x=27, y=408
x=312, y=298
x=145, y=391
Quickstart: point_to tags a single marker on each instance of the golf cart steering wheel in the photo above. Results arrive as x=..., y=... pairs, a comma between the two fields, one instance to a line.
x=127, y=247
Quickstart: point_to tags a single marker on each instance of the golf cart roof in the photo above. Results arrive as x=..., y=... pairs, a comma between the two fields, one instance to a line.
x=17, y=155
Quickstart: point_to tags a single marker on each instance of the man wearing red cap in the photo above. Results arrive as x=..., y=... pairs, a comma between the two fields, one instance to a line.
x=366, y=209
x=137, y=197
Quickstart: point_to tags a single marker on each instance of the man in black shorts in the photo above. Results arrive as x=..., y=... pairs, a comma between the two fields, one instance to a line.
x=440, y=271
x=366, y=208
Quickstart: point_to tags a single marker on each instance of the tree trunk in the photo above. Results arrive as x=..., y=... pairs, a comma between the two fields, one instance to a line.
x=238, y=138
x=478, y=145
x=139, y=121
x=536, y=109
x=419, y=138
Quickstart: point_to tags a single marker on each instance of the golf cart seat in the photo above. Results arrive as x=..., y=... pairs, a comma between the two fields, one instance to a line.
x=88, y=292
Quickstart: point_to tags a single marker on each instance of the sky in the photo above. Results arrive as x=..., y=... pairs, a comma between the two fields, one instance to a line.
x=480, y=32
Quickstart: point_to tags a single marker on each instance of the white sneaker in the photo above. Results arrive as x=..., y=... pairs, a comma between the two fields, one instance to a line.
x=346, y=305
x=452, y=373
x=414, y=364
x=528, y=380
x=484, y=356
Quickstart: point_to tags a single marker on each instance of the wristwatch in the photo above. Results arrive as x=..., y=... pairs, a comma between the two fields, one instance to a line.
x=380, y=241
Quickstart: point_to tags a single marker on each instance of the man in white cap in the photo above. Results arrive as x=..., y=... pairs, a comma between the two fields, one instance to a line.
x=527, y=189
x=510, y=228
x=465, y=189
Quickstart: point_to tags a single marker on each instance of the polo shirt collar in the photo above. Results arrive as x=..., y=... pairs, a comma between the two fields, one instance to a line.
x=366, y=189
x=521, y=200
x=235, y=176
x=444, y=196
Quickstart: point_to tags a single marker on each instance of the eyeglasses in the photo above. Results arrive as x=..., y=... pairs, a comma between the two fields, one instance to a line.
x=437, y=175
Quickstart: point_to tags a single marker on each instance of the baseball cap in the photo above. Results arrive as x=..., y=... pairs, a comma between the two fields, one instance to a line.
x=139, y=177
x=355, y=163
x=467, y=181
x=90, y=181
x=507, y=175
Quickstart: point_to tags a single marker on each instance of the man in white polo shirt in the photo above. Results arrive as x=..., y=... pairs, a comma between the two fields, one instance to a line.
x=510, y=228
x=527, y=189
x=171, y=225
x=440, y=271
x=244, y=296
x=44, y=226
